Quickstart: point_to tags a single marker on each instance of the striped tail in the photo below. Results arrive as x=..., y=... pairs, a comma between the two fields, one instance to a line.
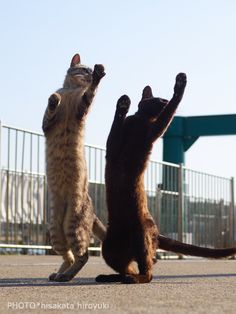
x=99, y=230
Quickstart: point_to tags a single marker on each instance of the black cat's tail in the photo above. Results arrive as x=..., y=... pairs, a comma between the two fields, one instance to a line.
x=175, y=246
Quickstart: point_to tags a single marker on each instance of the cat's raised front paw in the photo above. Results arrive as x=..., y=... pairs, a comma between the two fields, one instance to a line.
x=54, y=101
x=180, y=83
x=123, y=104
x=98, y=72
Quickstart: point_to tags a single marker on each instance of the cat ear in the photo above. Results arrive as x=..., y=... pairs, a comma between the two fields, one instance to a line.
x=75, y=60
x=147, y=92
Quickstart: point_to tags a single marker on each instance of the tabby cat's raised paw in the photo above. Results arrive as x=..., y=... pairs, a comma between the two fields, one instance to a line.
x=98, y=72
x=54, y=101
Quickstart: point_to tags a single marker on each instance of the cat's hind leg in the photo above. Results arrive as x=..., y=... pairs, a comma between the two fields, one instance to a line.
x=145, y=272
x=119, y=257
x=78, y=230
x=68, y=261
x=124, y=277
x=145, y=248
x=73, y=270
x=57, y=237
x=144, y=258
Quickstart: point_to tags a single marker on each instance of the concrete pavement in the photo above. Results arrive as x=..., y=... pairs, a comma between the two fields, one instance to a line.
x=179, y=286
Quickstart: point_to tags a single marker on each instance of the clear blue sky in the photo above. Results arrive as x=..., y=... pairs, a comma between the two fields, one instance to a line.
x=139, y=43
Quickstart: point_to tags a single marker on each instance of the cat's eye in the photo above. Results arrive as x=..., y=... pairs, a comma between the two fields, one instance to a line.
x=88, y=71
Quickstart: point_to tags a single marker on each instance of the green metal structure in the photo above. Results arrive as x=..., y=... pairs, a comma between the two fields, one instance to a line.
x=184, y=131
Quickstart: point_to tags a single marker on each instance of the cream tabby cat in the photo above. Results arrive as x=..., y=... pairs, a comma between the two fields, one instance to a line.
x=72, y=215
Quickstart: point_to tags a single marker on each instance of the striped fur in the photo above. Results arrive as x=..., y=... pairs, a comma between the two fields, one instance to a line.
x=72, y=215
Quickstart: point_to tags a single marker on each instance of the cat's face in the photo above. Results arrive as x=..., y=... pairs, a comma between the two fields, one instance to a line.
x=151, y=106
x=78, y=75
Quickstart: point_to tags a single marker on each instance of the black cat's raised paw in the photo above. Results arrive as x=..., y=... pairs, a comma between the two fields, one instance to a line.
x=123, y=104
x=180, y=83
x=54, y=101
x=98, y=72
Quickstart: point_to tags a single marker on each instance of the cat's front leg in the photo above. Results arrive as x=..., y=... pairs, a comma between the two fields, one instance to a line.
x=122, y=106
x=54, y=101
x=50, y=113
x=114, y=138
x=180, y=84
x=166, y=116
x=89, y=94
x=98, y=74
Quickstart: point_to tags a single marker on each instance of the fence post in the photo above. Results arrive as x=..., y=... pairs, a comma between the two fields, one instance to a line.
x=232, y=210
x=158, y=206
x=0, y=177
x=180, y=203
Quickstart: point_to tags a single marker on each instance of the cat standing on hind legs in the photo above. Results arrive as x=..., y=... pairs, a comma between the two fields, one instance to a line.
x=72, y=216
x=131, y=232
x=132, y=235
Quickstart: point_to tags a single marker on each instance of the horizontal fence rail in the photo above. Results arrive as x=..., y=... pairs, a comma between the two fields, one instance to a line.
x=191, y=206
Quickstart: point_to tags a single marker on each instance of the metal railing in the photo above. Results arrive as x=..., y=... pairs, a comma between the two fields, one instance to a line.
x=208, y=208
x=191, y=206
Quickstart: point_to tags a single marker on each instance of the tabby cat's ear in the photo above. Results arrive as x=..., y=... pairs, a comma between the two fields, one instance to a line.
x=75, y=60
x=147, y=92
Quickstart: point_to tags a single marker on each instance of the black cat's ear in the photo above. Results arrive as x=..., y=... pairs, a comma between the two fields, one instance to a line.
x=147, y=92
x=75, y=60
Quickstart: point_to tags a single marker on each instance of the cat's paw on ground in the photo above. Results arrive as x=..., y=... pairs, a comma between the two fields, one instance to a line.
x=63, y=278
x=52, y=277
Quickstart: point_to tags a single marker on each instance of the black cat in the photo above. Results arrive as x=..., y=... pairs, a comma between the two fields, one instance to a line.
x=132, y=235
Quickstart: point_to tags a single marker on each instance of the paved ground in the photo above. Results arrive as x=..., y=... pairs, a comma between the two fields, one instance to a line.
x=188, y=286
